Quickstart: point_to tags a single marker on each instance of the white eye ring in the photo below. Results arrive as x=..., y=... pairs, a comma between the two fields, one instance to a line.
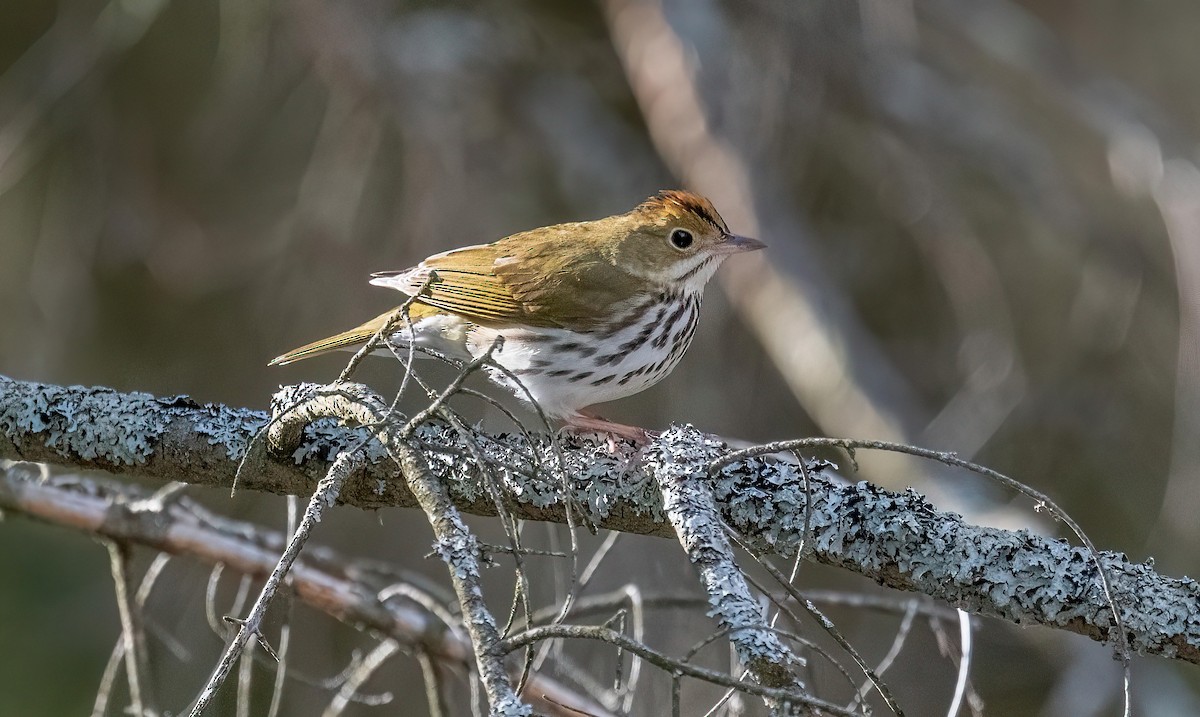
x=681, y=239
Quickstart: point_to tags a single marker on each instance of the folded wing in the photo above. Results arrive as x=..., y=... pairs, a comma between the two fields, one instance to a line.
x=552, y=280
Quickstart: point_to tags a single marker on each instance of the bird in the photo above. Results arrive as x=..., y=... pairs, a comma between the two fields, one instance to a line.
x=588, y=312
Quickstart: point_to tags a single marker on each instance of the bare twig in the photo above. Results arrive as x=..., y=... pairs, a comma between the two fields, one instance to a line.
x=435, y=692
x=285, y=630
x=323, y=497
x=100, y=707
x=964, y=664
x=893, y=652
x=665, y=662
x=359, y=676
x=133, y=634
x=827, y=625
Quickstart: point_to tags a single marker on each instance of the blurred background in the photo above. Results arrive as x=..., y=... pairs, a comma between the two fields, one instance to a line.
x=984, y=230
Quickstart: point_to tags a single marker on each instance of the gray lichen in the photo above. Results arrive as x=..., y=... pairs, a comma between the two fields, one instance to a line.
x=229, y=428
x=600, y=481
x=91, y=423
x=103, y=425
x=679, y=459
x=897, y=539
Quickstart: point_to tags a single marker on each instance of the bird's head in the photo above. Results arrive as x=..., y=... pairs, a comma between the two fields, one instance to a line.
x=676, y=238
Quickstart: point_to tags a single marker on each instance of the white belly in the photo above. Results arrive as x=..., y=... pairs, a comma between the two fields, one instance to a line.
x=564, y=371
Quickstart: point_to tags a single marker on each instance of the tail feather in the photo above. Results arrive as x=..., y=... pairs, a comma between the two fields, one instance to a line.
x=354, y=337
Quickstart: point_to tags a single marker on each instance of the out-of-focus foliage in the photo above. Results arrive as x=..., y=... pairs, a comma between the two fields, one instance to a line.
x=1003, y=193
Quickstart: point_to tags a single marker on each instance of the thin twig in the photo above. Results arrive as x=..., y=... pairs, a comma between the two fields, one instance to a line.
x=898, y=642
x=285, y=630
x=137, y=664
x=951, y=459
x=668, y=664
x=828, y=626
x=383, y=335
x=435, y=694
x=108, y=679
x=380, y=654
x=245, y=679
x=964, y=664
x=323, y=496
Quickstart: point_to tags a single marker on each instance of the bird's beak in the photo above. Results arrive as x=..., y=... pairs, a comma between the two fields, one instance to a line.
x=734, y=244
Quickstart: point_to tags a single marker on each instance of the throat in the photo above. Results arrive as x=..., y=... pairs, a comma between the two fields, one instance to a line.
x=696, y=277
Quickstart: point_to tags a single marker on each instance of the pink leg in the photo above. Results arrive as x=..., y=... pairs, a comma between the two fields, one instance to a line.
x=585, y=423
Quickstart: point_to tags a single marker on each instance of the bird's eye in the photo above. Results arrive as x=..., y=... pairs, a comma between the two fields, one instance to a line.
x=681, y=238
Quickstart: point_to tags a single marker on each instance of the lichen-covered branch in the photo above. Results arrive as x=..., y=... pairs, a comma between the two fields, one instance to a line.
x=690, y=507
x=455, y=543
x=897, y=539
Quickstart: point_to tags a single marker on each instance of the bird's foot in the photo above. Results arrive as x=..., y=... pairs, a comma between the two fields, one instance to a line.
x=583, y=423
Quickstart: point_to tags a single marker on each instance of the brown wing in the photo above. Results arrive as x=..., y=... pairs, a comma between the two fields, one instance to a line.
x=347, y=339
x=550, y=277
x=461, y=280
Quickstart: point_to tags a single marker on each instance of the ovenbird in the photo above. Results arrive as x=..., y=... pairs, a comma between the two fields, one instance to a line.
x=589, y=311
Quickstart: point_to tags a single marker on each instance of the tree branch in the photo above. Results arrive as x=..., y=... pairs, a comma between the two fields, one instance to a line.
x=355, y=593
x=896, y=539
x=694, y=513
x=456, y=545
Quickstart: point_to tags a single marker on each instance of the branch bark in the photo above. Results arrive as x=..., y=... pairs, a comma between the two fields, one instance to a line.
x=356, y=594
x=897, y=539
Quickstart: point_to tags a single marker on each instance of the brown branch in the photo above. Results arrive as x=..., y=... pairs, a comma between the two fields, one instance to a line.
x=324, y=581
